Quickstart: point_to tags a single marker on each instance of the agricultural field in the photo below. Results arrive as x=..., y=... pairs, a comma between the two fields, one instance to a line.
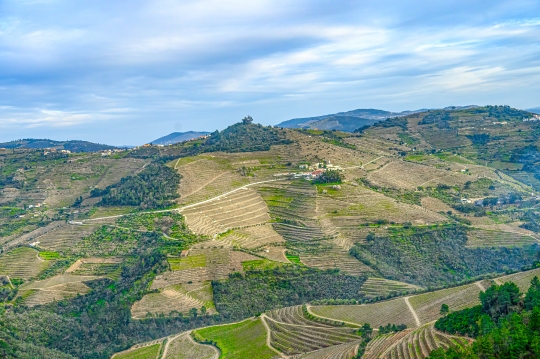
x=231, y=339
x=151, y=351
x=184, y=347
x=191, y=237
x=23, y=263
x=417, y=175
x=424, y=307
x=353, y=205
x=253, y=237
x=410, y=344
x=243, y=208
x=427, y=305
x=54, y=289
x=207, y=177
x=380, y=287
x=395, y=311
x=490, y=238
x=65, y=237
x=180, y=298
x=104, y=267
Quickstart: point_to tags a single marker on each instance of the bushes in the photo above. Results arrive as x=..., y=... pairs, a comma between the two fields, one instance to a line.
x=245, y=137
x=259, y=291
x=155, y=187
x=437, y=257
x=505, y=326
x=330, y=176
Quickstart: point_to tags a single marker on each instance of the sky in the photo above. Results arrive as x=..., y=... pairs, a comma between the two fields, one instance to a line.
x=127, y=72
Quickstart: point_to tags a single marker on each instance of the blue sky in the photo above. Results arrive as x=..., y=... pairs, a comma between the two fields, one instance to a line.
x=127, y=72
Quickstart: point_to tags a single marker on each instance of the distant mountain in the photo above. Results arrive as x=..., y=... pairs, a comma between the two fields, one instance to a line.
x=351, y=120
x=176, y=137
x=534, y=110
x=73, y=146
x=344, y=121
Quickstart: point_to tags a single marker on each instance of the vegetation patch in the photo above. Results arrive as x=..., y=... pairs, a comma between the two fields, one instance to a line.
x=505, y=325
x=192, y=261
x=49, y=255
x=244, y=340
x=439, y=256
x=155, y=187
x=262, y=290
x=148, y=352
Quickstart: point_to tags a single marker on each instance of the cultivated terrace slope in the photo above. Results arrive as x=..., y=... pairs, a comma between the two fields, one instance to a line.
x=283, y=232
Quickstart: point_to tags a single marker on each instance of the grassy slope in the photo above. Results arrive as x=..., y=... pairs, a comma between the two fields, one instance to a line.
x=244, y=340
x=149, y=352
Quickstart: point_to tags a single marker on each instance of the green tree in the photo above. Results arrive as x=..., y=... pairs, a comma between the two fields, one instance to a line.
x=444, y=309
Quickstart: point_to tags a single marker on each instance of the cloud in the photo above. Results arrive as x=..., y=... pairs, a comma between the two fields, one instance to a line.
x=67, y=66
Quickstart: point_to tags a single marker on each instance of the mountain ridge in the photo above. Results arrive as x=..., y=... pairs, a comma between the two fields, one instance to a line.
x=70, y=145
x=176, y=137
x=349, y=121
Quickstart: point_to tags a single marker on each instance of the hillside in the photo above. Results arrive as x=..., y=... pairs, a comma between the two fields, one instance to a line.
x=267, y=232
x=348, y=121
x=72, y=146
x=176, y=137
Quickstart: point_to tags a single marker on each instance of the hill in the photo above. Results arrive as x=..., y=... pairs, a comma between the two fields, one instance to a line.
x=73, y=145
x=115, y=250
x=176, y=137
x=534, y=110
x=351, y=120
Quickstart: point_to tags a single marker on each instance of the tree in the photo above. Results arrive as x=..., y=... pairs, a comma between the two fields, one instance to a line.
x=330, y=176
x=246, y=120
x=203, y=310
x=193, y=312
x=444, y=309
x=500, y=300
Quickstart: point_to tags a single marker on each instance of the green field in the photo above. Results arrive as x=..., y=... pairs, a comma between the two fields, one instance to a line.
x=293, y=258
x=149, y=352
x=260, y=264
x=49, y=255
x=194, y=261
x=244, y=340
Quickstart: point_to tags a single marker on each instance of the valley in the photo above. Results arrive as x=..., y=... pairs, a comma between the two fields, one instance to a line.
x=291, y=240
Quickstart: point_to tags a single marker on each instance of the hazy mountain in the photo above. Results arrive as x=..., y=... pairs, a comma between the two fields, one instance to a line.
x=351, y=120
x=176, y=137
x=343, y=121
x=534, y=110
x=73, y=146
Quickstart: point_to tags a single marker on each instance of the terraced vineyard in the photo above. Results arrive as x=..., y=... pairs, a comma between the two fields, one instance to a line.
x=65, y=237
x=484, y=238
x=391, y=175
x=427, y=305
x=410, y=344
x=243, y=208
x=340, y=351
x=353, y=205
x=148, y=351
x=205, y=177
x=105, y=267
x=393, y=311
x=53, y=289
x=231, y=339
x=292, y=333
x=177, y=298
x=22, y=262
x=251, y=237
x=183, y=347
x=187, y=285
x=380, y=287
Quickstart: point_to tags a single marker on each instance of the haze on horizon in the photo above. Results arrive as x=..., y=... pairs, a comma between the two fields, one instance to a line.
x=127, y=72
